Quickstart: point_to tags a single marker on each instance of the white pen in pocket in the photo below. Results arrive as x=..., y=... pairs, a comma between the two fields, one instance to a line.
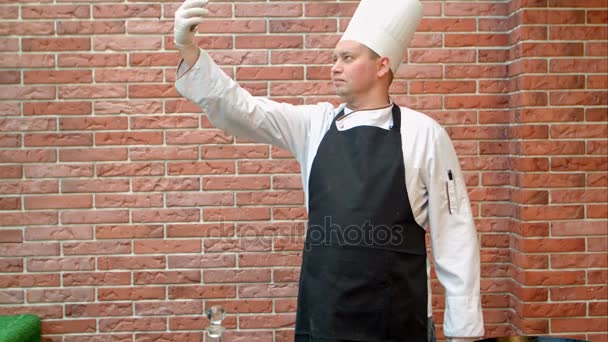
x=450, y=187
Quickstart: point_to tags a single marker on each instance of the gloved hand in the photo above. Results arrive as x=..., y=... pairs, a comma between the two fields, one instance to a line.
x=187, y=16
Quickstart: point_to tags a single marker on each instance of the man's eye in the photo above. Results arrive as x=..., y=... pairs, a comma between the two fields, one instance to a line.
x=348, y=58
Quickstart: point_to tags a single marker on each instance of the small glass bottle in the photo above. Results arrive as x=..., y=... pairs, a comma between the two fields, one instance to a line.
x=216, y=315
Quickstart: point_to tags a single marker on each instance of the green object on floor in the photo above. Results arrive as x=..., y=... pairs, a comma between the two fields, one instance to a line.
x=20, y=328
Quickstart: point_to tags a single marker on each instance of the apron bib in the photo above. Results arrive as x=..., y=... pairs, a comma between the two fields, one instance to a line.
x=363, y=274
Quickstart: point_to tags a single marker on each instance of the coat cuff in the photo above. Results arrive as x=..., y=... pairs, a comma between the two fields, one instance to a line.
x=462, y=339
x=200, y=81
x=463, y=317
x=182, y=69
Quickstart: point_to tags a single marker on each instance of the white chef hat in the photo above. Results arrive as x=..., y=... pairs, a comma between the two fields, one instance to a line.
x=385, y=26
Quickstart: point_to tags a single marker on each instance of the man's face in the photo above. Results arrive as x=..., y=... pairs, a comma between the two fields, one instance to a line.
x=354, y=70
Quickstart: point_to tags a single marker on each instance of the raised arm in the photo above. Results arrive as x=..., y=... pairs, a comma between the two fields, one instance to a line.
x=230, y=107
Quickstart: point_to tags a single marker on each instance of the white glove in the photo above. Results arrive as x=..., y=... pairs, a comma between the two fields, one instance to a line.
x=187, y=16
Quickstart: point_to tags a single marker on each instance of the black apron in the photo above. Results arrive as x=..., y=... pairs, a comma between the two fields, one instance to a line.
x=363, y=272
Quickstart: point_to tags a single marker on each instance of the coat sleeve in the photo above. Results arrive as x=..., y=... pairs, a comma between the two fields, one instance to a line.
x=234, y=110
x=454, y=240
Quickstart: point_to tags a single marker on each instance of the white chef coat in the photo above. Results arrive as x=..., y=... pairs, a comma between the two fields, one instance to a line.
x=435, y=186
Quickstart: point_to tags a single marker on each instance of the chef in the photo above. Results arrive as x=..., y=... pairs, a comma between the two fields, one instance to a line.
x=377, y=177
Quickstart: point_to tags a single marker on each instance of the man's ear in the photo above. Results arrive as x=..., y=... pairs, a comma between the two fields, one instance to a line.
x=384, y=66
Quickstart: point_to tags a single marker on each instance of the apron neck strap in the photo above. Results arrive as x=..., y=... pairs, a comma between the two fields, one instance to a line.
x=396, y=117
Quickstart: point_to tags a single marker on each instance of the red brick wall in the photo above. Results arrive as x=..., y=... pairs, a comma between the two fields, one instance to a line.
x=124, y=213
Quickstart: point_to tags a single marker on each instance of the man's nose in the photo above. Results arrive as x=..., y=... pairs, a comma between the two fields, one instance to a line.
x=336, y=68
